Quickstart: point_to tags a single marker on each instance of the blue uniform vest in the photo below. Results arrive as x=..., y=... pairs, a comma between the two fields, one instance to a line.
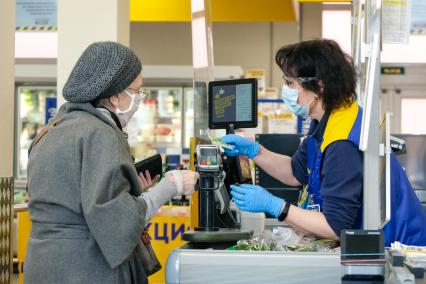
x=408, y=218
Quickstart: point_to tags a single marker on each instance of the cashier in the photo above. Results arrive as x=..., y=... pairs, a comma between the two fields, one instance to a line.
x=319, y=82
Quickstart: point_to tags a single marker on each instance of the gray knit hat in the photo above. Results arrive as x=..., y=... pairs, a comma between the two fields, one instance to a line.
x=103, y=70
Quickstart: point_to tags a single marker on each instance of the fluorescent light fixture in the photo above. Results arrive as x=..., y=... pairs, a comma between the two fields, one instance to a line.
x=36, y=44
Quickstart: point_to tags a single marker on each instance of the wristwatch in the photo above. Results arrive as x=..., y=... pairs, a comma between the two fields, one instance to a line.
x=284, y=213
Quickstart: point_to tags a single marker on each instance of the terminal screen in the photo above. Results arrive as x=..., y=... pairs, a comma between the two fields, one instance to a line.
x=232, y=103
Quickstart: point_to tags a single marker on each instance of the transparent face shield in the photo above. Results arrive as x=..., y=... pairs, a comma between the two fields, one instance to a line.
x=288, y=81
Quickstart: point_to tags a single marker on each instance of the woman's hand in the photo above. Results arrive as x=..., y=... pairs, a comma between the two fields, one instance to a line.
x=184, y=181
x=146, y=181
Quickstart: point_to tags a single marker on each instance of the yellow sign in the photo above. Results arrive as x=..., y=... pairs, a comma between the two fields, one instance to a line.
x=166, y=230
x=23, y=235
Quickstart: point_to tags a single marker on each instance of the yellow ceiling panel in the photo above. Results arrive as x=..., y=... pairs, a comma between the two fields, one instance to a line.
x=253, y=11
x=160, y=10
x=322, y=1
x=222, y=10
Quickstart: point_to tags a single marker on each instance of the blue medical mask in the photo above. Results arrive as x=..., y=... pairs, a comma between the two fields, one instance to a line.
x=290, y=96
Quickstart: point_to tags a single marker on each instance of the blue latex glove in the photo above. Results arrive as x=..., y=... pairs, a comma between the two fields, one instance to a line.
x=254, y=198
x=242, y=146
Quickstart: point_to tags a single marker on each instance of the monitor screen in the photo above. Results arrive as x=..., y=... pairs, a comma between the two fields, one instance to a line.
x=233, y=102
x=362, y=244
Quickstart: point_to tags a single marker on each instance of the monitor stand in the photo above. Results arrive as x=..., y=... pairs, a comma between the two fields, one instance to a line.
x=230, y=129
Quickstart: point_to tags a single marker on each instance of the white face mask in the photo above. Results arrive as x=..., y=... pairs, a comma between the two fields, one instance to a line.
x=124, y=116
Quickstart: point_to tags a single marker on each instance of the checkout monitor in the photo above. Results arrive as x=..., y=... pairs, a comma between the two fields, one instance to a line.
x=233, y=102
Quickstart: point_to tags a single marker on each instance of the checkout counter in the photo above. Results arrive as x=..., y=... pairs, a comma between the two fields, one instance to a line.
x=207, y=259
x=188, y=265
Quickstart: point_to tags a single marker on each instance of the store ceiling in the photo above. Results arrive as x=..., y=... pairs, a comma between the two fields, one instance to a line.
x=222, y=10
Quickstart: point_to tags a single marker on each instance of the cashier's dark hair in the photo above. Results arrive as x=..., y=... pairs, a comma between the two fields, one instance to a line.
x=325, y=60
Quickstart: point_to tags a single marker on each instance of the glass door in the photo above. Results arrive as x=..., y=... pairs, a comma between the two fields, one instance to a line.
x=413, y=115
x=35, y=104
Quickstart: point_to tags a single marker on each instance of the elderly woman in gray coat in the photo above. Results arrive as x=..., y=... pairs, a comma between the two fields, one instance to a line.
x=86, y=206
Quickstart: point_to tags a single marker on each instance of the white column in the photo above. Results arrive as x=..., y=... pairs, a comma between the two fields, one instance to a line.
x=82, y=22
x=7, y=107
x=7, y=86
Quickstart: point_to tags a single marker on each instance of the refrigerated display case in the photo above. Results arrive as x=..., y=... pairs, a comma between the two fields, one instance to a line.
x=158, y=125
x=30, y=118
x=163, y=123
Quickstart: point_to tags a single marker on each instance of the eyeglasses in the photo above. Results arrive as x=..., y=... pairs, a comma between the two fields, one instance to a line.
x=289, y=81
x=143, y=93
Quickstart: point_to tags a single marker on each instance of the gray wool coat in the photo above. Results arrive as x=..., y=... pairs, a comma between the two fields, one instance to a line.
x=86, y=217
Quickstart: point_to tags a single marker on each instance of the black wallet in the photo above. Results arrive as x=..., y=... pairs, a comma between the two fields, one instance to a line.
x=152, y=164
